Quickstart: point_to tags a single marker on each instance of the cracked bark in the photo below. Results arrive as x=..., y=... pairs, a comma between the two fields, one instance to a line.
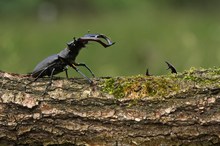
x=74, y=112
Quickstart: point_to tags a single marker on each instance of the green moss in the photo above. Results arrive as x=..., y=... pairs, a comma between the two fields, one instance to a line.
x=159, y=87
x=112, y=86
x=139, y=86
x=202, y=77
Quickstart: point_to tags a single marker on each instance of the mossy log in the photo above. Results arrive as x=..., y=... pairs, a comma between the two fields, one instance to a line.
x=180, y=109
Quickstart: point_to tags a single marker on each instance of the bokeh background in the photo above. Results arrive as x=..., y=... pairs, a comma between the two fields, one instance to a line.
x=147, y=32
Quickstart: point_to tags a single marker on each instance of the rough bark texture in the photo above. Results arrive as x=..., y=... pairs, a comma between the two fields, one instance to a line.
x=74, y=112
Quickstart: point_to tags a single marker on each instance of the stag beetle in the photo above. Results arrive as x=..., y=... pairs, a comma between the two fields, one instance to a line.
x=57, y=63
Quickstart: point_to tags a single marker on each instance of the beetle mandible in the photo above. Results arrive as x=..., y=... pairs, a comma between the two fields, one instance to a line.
x=57, y=63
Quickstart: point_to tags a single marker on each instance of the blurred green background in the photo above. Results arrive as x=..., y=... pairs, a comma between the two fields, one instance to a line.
x=185, y=33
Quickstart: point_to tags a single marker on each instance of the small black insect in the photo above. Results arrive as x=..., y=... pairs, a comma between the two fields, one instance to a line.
x=57, y=63
x=171, y=67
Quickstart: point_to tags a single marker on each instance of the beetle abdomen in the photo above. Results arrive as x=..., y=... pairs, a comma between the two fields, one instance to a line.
x=45, y=67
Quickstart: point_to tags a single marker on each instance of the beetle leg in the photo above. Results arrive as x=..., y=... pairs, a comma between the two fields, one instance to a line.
x=66, y=73
x=36, y=78
x=76, y=69
x=49, y=84
x=40, y=74
x=90, y=81
x=83, y=64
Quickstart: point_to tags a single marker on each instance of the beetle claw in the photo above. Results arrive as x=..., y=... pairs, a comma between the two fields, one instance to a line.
x=97, y=38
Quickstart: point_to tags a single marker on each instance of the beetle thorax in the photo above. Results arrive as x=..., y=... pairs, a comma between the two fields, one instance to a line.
x=69, y=54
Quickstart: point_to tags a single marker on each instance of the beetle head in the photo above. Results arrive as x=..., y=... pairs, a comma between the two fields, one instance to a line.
x=76, y=44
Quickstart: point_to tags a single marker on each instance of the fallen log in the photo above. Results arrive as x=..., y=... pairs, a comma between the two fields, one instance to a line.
x=179, y=109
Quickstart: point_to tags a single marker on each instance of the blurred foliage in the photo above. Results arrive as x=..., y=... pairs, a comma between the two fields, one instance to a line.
x=183, y=32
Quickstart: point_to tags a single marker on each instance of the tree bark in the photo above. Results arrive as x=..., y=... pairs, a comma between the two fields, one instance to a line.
x=74, y=112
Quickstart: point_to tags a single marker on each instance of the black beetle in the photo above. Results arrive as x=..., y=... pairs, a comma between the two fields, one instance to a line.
x=57, y=63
